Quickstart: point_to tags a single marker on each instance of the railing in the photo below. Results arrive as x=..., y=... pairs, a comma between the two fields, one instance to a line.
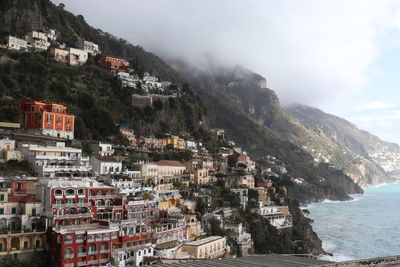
x=101, y=196
x=104, y=251
x=68, y=242
x=104, y=260
x=68, y=256
x=92, y=262
x=92, y=252
x=70, y=205
x=81, y=254
x=70, y=216
x=82, y=263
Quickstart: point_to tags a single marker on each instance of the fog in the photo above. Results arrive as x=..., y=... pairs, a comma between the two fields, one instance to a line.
x=313, y=52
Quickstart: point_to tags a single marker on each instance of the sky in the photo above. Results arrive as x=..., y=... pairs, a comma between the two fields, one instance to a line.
x=341, y=56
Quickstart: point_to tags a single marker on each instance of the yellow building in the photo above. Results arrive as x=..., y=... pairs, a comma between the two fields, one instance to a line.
x=193, y=227
x=208, y=248
x=263, y=196
x=201, y=176
x=169, y=199
x=176, y=142
x=199, y=169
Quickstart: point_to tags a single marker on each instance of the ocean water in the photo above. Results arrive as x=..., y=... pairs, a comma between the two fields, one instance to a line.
x=366, y=227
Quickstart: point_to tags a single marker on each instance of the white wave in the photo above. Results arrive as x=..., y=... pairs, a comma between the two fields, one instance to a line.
x=375, y=186
x=336, y=258
x=328, y=246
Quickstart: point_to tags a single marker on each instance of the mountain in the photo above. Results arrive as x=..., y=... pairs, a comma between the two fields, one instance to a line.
x=246, y=91
x=383, y=156
x=252, y=117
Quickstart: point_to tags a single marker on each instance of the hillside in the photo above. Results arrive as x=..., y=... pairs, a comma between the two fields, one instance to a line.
x=383, y=154
x=244, y=90
x=101, y=105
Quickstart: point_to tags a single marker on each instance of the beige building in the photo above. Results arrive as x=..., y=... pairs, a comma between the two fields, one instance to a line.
x=8, y=152
x=38, y=40
x=193, y=227
x=15, y=43
x=60, y=55
x=208, y=248
x=162, y=172
x=200, y=171
x=247, y=180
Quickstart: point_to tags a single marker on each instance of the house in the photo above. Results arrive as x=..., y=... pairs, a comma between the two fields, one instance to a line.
x=128, y=80
x=245, y=162
x=89, y=47
x=243, y=196
x=59, y=160
x=211, y=247
x=278, y=216
x=163, y=173
x=128, y=134
x=22, y=229
x=8, y=152
x=60, y=55
x=192, y=146
x=49, y=118
x=114, y=64
x=103, y=149
x=169, y=233
x=77, y=57
x=242, y=238
x=193, y=227
x=38, y=40
x=152, y=143
x=77, y=201
x=15, y=43
x=175, y=142
x=105, y=165
x=247, y=181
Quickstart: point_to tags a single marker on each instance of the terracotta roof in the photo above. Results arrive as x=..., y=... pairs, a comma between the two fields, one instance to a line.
x=107, y=159
x=22, y=199
x=172, y=163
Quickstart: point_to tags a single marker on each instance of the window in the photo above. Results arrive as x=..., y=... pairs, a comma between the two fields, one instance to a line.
x=68, y=251
x=25, y=244
x=103, y=247
x=81, y=200
x=38, y=243
x=70, y=201
x=14, y=210
x=58, y=201
x=1, y=210
x=33, y=212
x=1, y=197
x=1, y=246
x=99, y=193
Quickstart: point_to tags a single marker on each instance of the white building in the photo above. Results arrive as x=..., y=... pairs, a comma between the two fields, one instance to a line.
x=128, y=80
x=134, y=256
x=89, y=47
x=192, y=146
x=59, y=160
x=77, y=57
x=103, y=149
x=17, y=43
x=105, y=165
x=278, y=216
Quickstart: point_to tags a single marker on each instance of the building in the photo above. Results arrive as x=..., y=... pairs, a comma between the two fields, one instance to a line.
x=59, y=160
x=77, y=57
x=82, y=245
x=128, y=80
x=88, y=47
x=22, y=228
x=115, y=64
x=77, y=201
x=193, y=227
x=168, y=199
x=175, y=142
x=103, y=149
x=60, y=55
x=38, y=40
x=152, y=143
x=106, y=165
x=243, y=238
x=247, y=181
x=8, y=152
x=278, y=216
x=243, y=195
x=208, y=248
x=128, y=134
x=192, y=146
x=15, y=43
x=163, y=172
x=169, y=234
x=49, y=118
x=245, y=162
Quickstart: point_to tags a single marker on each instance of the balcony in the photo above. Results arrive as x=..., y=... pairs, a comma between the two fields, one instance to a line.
x=72, y=216
x=82, y=254
x=68, y=242
x=68, y=256
x=63, y=205
x=92, y=262
x=82, y=263
x=81, y=195
x=101, y=196
x=104, y=251
x=93, y=252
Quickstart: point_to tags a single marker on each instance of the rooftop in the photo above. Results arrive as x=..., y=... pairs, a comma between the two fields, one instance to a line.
x=203, y=241
x=107, y=159
x=172, y=163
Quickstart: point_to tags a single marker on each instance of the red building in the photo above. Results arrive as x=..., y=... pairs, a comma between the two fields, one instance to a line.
x=50, y=118
x=115, y=64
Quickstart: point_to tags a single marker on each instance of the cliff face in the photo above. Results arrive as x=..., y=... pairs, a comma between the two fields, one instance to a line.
x=246, y=91
x=379, y=161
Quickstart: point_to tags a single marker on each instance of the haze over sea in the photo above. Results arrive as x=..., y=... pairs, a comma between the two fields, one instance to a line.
x=366, y=227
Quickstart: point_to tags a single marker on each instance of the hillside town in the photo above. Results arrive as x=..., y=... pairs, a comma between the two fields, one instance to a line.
x=106, y=203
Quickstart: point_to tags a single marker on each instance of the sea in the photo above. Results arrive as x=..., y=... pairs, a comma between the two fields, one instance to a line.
x=366, y=227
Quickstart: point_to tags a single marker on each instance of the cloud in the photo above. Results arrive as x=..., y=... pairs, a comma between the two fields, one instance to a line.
x=376, y=105
x=313, y=52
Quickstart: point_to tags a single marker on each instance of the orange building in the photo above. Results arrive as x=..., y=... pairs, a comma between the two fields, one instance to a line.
x=115, y=64
x=50, y=118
